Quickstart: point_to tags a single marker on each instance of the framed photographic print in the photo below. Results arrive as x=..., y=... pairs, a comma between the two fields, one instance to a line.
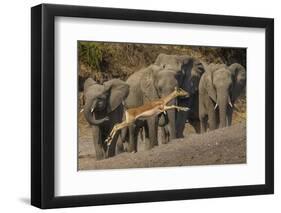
x=139, y=106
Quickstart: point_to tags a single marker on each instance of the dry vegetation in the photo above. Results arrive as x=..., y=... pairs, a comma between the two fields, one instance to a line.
x=119, y=60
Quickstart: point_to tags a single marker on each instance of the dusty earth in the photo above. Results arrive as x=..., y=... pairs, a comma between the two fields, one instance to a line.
x=222, y=146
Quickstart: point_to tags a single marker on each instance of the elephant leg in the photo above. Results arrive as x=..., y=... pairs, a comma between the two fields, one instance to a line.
x=141, y=133
x=123, y=134
x=162, y=119
x=146, y=132
x=145, y=143
x=138, y=130
x=119, y=146
x=196, y=125
x=181, y=118
x=110, y=152
x=152, y=130
x=217, y=114
x=165, y=135
x=132, y=138
x=98, y=143
x=203, y=124
x=203, y=117
x=229, y=113
x=212, y=118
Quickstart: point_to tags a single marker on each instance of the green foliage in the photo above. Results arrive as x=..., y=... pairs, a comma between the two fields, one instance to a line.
x=90, y=53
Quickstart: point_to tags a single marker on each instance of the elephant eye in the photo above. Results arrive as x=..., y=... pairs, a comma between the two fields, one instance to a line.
x=102, y=97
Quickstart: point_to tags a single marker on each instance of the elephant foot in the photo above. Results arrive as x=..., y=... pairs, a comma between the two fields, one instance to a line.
x=100, y=152
x=100, y=155
x=131, y=148
x=148, y=147
x=179, y=133
x=165, y=137
x=120, y=148
x=164, y=142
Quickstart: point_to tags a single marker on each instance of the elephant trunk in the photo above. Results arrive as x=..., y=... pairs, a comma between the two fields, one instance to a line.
x=90, y=115
x=223, y=100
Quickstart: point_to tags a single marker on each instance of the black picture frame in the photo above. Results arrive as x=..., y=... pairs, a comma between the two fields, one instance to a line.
x=43, y=102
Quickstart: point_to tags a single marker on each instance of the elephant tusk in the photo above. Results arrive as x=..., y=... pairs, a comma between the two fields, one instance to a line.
x=82, y=110
x=92, y=109
x=229, y=102
x=165, y=113
x=216, y=106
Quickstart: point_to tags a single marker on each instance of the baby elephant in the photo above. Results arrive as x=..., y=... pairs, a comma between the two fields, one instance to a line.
x=219, y=87
x=103, y=109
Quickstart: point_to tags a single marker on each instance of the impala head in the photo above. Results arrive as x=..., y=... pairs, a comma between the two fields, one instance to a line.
x=181, y=92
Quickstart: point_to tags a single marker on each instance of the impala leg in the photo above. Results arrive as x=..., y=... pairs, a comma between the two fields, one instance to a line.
x=175, y=107
x=114, y=131
x=112, y=134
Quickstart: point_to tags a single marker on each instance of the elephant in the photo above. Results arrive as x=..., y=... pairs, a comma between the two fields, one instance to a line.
x=81, y=81
x=192, y=69
x=103, y=109
x=156, y=81
x=219, y=88
x=148, y=84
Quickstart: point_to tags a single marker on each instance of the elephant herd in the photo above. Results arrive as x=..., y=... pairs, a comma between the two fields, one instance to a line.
x=212, y=88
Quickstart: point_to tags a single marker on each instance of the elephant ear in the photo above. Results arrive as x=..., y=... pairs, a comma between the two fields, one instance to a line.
x=88, y=83
x=92, y=90
x=168, y=61
x=198, y=68
x=160, y=59
x=194, y=65
x=187, y=63
x=238, y=73
x=213, y=67
x=118, y=90
x=192, y=70
x=147, y=83
x=210, y=86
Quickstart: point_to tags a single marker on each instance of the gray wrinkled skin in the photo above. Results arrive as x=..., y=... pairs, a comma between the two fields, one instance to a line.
x=219, y=88
x=103, y=109
x=192, y=70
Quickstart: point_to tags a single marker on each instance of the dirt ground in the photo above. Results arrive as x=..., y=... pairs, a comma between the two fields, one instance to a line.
x=222, y=146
